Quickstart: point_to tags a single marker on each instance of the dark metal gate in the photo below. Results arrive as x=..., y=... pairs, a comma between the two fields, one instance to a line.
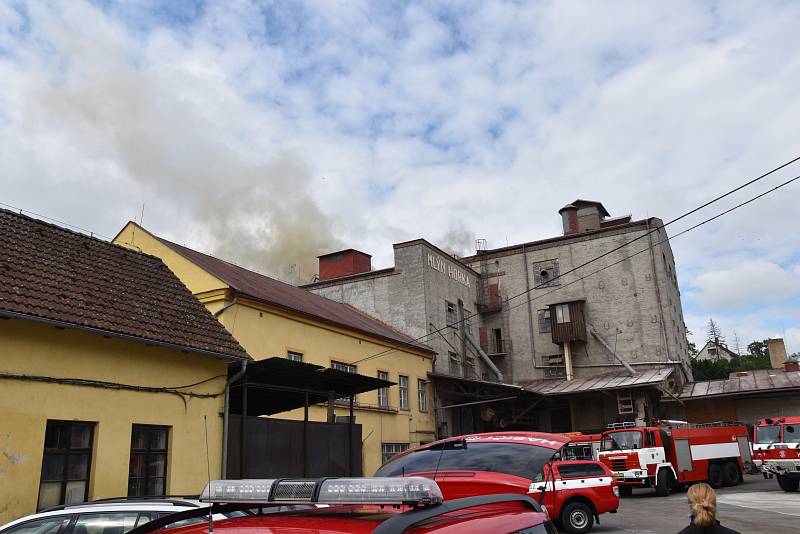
x=278, y=448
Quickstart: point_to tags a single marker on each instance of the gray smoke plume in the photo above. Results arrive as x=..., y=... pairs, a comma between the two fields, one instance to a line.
x=192, y=146
x=458, y=241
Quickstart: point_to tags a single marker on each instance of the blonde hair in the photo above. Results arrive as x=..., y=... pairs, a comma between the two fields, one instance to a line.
x=703, y=503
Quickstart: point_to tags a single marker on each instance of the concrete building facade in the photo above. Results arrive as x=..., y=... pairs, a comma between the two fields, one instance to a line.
x=601, y=299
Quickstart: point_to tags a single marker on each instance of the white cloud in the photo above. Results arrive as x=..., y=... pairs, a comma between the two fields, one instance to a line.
x=747, y=284
x=371, y=123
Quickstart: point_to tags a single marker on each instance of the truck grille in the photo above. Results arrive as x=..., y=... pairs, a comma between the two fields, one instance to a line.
x=619, y=465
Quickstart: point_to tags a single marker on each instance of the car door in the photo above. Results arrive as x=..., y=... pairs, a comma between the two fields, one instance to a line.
x=105, y=522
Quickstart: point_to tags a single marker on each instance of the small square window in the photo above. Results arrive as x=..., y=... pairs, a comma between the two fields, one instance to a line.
x=544, y=321
x=294, y=356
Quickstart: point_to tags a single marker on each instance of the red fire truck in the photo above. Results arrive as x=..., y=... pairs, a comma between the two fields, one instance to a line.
x=674, y=453
x=776, y=450
x=581, y=446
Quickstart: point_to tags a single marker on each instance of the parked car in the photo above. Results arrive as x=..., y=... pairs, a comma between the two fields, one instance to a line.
x=107, y=516
x=412, y=505
x=574, y=492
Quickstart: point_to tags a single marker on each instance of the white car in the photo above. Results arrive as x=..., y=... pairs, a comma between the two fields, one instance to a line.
x=111, y=516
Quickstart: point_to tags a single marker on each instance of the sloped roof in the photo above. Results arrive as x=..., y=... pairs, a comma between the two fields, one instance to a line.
x=745, y=382
x=286, y=296
x=610, y=381
x=52, y=274
x=720, y=346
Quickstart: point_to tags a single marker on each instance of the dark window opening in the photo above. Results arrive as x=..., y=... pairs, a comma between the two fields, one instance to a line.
x=66, y=463
x=544, y=321
x=147, y=476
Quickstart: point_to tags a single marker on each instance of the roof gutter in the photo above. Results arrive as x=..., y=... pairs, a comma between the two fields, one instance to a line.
x=128, y=337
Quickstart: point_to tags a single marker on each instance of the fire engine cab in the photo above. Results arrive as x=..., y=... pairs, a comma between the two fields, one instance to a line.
x=574, y=492
x=674, y=453
x=776, y=450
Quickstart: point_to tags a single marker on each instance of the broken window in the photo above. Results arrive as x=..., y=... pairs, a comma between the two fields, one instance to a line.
x=545, y=273
x=624, y=402
x=452, y=314
x=544, y=321
x=455, y=364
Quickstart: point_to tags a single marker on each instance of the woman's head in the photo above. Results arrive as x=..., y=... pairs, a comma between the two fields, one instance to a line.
x=703, y=503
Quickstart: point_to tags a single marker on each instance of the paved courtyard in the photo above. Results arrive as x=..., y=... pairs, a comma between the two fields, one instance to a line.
x=756, y=506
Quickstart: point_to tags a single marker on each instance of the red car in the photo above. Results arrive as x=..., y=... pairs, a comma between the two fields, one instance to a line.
x=357, y=506
x=574, y=492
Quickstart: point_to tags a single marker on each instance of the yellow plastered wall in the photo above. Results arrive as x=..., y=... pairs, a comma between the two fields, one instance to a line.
x=34, y=349
x=264, y=332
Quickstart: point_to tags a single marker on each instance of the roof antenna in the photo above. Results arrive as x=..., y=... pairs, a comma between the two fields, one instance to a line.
x=208, y=470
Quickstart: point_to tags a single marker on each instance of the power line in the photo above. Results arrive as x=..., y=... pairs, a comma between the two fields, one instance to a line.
x=388, y=351
x=51, y=219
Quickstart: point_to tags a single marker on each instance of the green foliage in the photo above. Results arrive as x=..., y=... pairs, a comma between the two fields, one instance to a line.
x=721, y=369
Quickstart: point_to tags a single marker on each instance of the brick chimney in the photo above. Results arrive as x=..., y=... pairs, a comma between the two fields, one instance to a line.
x=343, y=263
x=777, y=352
x=582, y=216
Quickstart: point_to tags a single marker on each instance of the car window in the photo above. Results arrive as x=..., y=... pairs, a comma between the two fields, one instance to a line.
x=46, y=525
x=105, y=523
x=511, y=458
x=581, y=470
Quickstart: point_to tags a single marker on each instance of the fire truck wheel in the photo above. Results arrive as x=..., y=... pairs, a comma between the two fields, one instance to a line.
x=788, y=484
x=625, y=490
x=663, y=481
x=577, y=517
x=730, y=474
x=715, y=476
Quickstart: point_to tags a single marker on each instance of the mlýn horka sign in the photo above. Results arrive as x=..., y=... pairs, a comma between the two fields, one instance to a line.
x=442, y=266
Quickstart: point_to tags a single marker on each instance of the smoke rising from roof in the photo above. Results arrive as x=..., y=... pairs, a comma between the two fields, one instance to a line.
x=458, y=241
x=252, y=200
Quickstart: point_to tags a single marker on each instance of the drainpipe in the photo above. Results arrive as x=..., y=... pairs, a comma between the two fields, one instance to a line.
x=222, y=309
x=568, y=359
x=609, y=349
x=488, y=361
x=226, y=415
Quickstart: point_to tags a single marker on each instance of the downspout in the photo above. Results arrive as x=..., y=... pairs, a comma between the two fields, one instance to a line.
x=609, y=349
x=488, y=361
x=225, y=307
x=530, y=308
x=658, y=291
x=226, y=416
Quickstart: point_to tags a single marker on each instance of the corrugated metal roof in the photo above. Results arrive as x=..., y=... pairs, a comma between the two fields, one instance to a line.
x=277, y=293
x=602, y=382
x=760, y=380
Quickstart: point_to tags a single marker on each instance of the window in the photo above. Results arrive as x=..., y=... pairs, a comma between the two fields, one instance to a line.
x=105, y=523
x=455, y=363
x=423, y=399
x=66, y=463
x=346, y=367
x=562, y=313
x=403, y=392
x=147, y=476
x=554, y=359
x=468, y=322
x=47, y=525
x=544, y=321
x=712, y=351
x=452, y=314
x=390, y=449
x=383, y=393
x=625, y=403
x=469, y=367
x=545, y=273
x=581, y=470
x=294, y=356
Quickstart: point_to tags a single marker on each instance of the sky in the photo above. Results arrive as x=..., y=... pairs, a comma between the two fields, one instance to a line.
x=268, y=133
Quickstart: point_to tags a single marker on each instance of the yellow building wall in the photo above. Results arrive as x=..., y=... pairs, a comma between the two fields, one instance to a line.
x=264, y=332
x=31, y=348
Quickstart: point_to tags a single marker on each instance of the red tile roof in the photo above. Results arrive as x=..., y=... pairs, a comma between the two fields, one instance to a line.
x=289, y=297
x=55, y=275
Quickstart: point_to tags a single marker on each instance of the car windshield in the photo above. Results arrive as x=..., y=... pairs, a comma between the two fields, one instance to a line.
x=510, y=458
x=791, y=434
x=622, y=440
x=768, y=434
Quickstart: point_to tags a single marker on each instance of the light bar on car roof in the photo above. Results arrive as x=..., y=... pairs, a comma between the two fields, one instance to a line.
x=413, y=491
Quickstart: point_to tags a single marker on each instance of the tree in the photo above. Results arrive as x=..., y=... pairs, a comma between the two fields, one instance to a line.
x=714, y=333
x=690, y=346
x=758, y=348
x=737, y=344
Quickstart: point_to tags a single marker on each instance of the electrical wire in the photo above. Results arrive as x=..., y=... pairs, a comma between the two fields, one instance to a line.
x=657, y=229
